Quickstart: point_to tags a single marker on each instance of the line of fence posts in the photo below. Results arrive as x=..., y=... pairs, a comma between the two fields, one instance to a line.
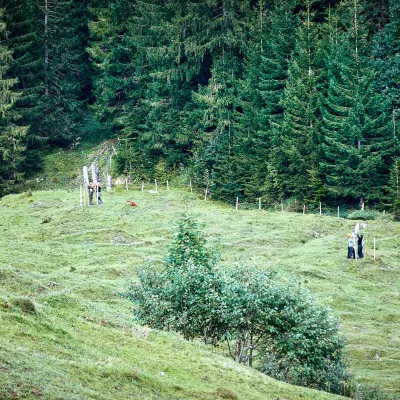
x=83, y=196
x=84, y=200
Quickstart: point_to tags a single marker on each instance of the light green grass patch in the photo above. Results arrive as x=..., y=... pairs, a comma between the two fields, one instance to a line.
x=73, y=262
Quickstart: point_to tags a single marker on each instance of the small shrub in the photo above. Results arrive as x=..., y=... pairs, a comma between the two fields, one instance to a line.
x=366, y=215
x=294, y=205
x=162, y=172
x=25, y=305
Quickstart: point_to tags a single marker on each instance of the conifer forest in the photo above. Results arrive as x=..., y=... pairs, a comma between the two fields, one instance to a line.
x=275, y=98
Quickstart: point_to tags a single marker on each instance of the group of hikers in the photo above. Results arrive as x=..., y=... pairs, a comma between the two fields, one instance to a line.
x=92, y=189
x=351, y=248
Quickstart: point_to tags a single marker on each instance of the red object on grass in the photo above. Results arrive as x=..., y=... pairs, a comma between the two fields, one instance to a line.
x=132, y=203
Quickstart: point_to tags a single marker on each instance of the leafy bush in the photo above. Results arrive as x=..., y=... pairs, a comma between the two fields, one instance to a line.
x=25, y=305
x=364, y=215
x=304, y=346
x=293, y=339
x=186, y=295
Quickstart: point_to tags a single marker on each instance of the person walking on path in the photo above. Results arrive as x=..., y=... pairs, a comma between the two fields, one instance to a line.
x=350, y=246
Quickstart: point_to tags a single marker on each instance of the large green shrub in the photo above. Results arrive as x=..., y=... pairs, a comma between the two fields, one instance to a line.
x=185, y=296
x=279, y=326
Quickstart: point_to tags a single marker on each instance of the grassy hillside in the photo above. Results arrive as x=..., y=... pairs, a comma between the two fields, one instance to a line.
x=72, y=262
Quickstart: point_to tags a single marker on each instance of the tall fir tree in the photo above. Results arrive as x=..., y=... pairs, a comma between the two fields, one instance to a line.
x=355, y=126
x=27, y=66
x=386, y=50
x=62, y=37
x=112, y=49
x=216, y=117
x=266, y=73
x=48, y=39
x=11, y=135
x=296, y=138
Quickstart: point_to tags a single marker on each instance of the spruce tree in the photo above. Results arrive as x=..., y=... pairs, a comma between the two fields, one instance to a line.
x=218, y=107
x=113, y=56
x=11, y=135
x=355, y=127
x=27, y=66
x=61, y=35
x=386, y=50
x=216, y=117
x=266, y=74
x=296, y=141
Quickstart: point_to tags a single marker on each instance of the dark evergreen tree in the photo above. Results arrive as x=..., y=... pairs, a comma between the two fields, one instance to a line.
x=217, y=114
x=386, y=49
x=355, y=126
x=48, y=39
x=113, y=56
x=27, y=66
x=271, y=45
x=216, y=156
x=11, y=135
x=296, y=141
x=61, y=36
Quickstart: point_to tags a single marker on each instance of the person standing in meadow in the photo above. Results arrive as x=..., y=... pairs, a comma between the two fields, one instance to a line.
x=350, y=246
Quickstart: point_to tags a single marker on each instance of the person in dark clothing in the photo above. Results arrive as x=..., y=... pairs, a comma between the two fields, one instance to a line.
x=360, y=246
x=99, y=200
x=350, y=246
x=91, y=191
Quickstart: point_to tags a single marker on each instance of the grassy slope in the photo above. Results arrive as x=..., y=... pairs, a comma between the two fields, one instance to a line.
x=72, y=262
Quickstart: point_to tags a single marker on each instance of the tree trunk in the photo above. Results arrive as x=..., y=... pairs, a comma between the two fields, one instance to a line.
x=46, y=48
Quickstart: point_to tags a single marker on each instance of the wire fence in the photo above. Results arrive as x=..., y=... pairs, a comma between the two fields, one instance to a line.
x=261, y=203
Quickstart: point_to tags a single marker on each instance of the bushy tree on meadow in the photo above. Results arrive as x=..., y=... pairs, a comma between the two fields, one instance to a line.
x=185, y=296
x=275, y=327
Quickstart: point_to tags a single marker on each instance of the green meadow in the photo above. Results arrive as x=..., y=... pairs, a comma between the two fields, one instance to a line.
x=66, y=333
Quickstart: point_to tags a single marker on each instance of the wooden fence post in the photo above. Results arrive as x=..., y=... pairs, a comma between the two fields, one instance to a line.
x=190, y=184
x=304, y=208
x=167, y=185
x=320, y=208
x=142, y=186
x=338, y=212
x=282, y=205
x=205, y=196
x=155, y=185
x=237, y=203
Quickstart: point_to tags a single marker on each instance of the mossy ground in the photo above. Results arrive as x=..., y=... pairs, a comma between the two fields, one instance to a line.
x=72, y=262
